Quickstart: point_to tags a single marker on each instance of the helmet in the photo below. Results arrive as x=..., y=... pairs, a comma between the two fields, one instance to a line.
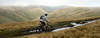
x=46, y=14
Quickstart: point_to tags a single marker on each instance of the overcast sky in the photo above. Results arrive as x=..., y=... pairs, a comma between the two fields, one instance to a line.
x=86, y=3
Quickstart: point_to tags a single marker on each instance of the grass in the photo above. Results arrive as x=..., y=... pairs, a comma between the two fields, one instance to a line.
x=88, y=31
x=57, y=18
x=67, y=21
x=12, y=30
x=19, y=14
x=5, y=20
x=7, y=30
x=74, y=12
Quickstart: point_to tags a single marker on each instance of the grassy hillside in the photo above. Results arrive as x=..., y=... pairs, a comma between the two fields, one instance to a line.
x=4, y=19
x=75, y=12
x=87, y=31
x=56, y=18
x=14, y=29
x=19, y=14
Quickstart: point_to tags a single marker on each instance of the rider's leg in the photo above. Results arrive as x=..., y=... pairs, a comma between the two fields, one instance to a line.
x=42, y=26
x=43, y=23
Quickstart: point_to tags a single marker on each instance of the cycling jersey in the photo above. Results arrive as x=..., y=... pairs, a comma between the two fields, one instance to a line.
x=43, y=18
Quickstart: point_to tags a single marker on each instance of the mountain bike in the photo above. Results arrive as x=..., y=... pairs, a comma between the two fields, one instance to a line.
x=44, y=28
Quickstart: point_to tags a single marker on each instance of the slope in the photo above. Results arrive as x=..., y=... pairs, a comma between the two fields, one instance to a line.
x=75, y=12
x=19, y=14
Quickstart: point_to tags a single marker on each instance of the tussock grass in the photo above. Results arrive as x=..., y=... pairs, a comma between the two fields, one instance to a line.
x=13, y=29
x=88, y=31
x=7, y=30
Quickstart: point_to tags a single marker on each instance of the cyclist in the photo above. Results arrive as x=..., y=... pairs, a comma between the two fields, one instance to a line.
x=44, y=18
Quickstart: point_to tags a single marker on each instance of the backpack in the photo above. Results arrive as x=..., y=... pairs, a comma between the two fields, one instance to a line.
x=41, y=17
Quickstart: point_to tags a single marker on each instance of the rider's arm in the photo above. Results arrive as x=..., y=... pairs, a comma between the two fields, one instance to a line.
x=46, y=19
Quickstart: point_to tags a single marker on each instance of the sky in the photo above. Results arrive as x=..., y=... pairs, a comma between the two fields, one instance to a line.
x=79, y=3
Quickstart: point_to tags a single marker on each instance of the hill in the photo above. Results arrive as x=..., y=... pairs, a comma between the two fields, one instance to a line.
x=75, y=12
x=57, y=18
x=48, y=8
x=19, y=14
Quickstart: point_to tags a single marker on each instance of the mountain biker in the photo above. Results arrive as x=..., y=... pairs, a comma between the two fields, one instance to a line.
x=44, y=18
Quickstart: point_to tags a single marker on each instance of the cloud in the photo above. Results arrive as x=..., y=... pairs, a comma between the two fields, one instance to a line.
x=84, y=2
x=51, y=2
x=17, y=2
